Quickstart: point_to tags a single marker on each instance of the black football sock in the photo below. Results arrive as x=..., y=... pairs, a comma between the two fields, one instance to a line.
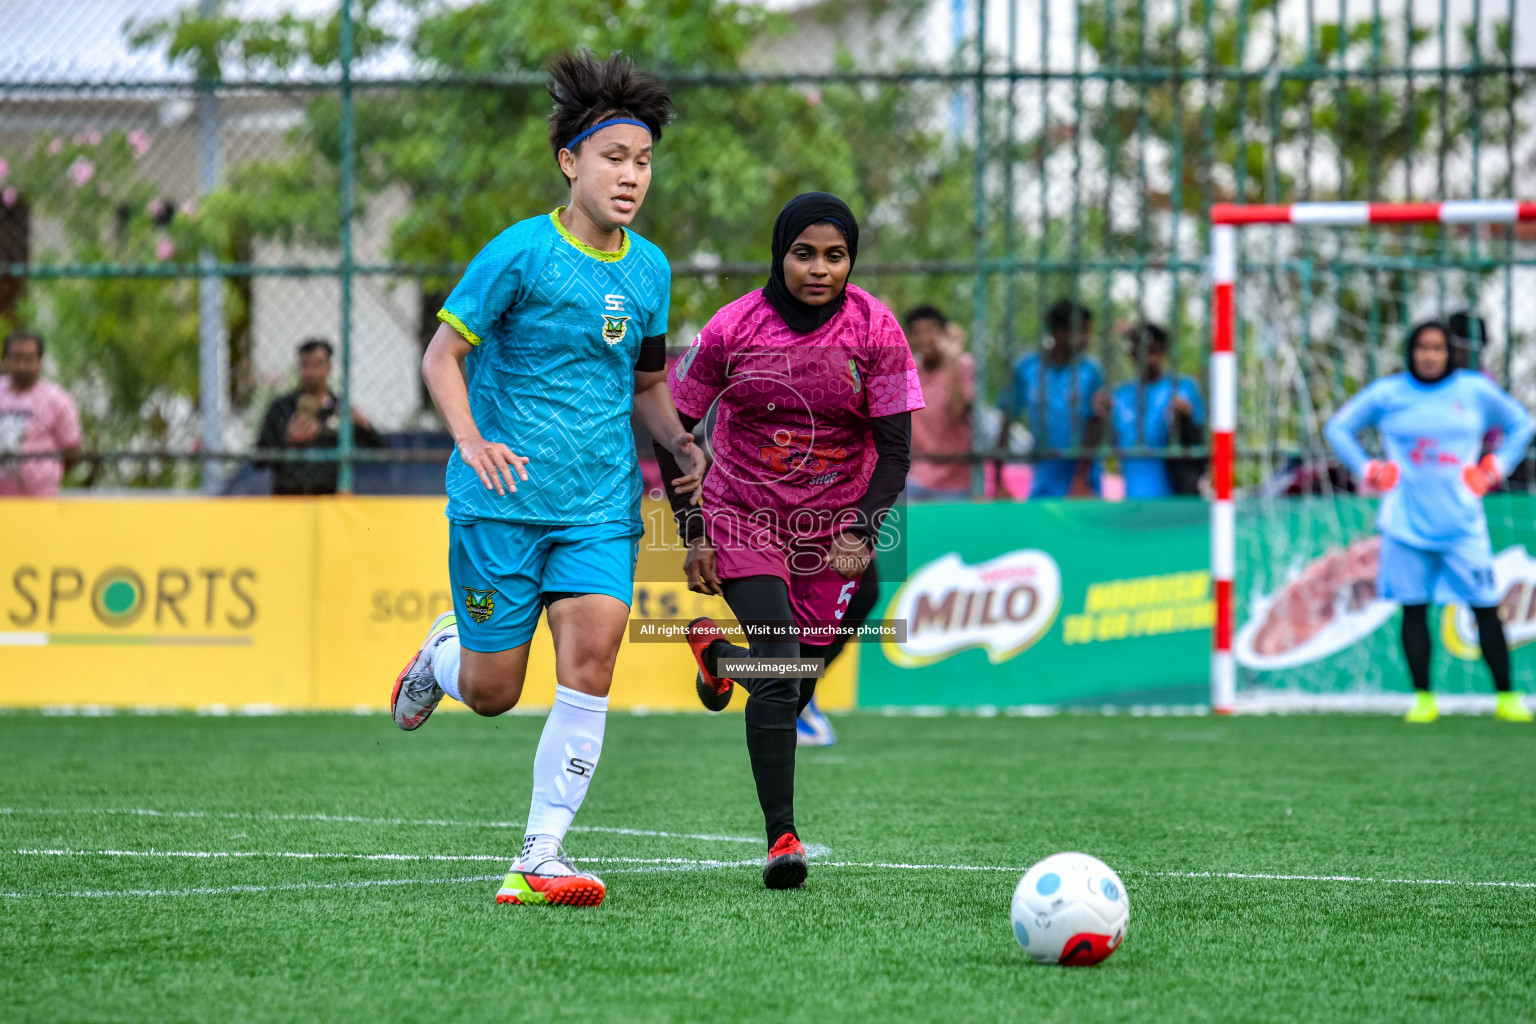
x=1416, y=644
x=1490, y=637
x=761, y=605
x=807, y=692
x=771, y=745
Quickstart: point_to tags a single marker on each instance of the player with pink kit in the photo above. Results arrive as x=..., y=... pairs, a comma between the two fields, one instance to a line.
x=816, y=388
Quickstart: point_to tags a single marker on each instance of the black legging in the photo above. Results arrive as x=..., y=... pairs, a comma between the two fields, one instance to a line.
x=773, y=702
x=1490, y=637
x=758, y=600
x=761, y=605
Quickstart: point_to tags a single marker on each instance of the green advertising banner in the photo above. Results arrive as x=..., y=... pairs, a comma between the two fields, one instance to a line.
x=1310, y=623
x=1046, y=603
x=1095, y=603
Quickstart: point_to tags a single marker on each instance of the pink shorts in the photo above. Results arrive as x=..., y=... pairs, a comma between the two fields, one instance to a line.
x=818, y=594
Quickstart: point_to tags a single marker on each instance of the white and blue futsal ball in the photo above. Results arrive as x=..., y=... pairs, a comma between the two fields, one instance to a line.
x=1070, y=909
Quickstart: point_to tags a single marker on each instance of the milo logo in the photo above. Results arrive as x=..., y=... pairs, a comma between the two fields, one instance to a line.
x=1514, y=571
x=1002, y=606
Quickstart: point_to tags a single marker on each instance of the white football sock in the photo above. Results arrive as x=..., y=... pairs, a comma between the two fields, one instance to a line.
x=562, y=768
x=445, y=665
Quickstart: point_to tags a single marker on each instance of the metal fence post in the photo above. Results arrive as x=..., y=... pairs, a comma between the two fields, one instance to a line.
x=344, y=434
x=979, y=231
x=210, y=286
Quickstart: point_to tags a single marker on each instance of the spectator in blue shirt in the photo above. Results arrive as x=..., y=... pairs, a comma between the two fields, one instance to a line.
x=1053, y=391
x=1152, y=412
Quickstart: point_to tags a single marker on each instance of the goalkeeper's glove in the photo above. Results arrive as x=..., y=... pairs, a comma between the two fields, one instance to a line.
x=1483, y=477
x=1381, y=476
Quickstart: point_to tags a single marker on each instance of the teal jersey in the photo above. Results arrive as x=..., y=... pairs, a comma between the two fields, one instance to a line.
x=556, y=328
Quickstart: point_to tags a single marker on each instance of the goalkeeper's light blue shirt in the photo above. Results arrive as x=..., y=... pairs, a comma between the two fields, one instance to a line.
x=556, y=328
x=1432, y=431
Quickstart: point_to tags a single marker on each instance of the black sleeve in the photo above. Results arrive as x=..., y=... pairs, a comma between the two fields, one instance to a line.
x=1184, y=474
x=367, y=437
x=688, y=516
x=893, y=457
x=273, y=426
x=653, y=354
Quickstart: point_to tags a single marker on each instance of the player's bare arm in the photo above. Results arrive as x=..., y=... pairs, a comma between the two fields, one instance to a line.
x=700, y=569
x=849, y=555
x=442, y=367
x=653, y=406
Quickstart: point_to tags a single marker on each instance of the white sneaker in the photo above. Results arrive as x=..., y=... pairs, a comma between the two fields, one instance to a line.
x=416, y=693
x=812, y=728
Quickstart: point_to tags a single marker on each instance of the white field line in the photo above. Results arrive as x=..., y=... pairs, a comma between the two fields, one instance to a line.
x=352, y=819
x=706, y=863
x=221, y=890
x=278, y=854
x=224, y=890
x=1335, y=878
x=889, y=866
x=500, y=858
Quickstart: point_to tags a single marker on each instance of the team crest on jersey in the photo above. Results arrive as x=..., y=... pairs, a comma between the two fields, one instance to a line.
x=853, y=372
x=479, y=603
x=614, y=328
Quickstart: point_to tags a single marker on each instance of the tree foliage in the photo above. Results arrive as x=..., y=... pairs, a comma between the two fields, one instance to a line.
x=466, y=144
x=126, y=347
x=473, y=158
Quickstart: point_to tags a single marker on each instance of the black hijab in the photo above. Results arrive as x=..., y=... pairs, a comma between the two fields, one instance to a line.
x=1413, y=337
x=798, y=214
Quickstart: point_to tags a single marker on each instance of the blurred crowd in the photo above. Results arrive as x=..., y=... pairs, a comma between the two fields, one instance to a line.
x=36, y=415
x=1054, y=404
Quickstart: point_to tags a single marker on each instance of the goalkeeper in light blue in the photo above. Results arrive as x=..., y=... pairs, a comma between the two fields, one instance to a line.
x=554, y=337
x=1434, y=536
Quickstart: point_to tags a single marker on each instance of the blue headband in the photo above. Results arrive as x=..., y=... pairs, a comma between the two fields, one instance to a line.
x=605, y=124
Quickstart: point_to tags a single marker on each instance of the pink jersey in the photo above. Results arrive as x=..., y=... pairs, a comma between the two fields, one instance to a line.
x=792, y=444
x=39, y=419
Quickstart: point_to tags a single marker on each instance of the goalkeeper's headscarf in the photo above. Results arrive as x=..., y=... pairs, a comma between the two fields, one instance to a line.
x=1413, y=339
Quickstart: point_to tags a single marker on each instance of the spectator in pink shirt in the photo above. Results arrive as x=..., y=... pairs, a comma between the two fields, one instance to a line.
x=36, y=415
x=948, y=378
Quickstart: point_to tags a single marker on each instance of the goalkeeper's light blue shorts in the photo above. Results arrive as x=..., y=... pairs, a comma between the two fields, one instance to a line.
x=502, y=573
x=1462, y=574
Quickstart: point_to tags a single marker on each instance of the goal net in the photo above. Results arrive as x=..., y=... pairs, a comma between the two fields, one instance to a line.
x=1312, y=302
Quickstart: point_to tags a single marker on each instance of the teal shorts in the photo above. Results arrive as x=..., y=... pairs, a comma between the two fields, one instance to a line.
x=504, y=573
x=1461, y=574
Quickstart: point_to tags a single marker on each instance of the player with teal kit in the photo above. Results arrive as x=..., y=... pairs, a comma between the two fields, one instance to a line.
x=1434, y=536
x=555, y=334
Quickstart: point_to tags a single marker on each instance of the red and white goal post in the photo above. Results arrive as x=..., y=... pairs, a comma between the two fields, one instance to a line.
x=1227, y=220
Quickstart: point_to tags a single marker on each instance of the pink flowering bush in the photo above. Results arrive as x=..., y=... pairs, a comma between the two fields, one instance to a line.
x=121, y=219
x=81, y=171
x=131, y=341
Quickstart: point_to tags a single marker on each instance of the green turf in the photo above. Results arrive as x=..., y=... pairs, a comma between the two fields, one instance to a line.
x=1310, y=796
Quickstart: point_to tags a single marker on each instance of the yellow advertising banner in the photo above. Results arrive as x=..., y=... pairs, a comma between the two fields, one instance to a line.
x=157, y=602
x=281, y=603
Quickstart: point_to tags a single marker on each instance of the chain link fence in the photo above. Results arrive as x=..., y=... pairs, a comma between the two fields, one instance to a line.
x=188, y=193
